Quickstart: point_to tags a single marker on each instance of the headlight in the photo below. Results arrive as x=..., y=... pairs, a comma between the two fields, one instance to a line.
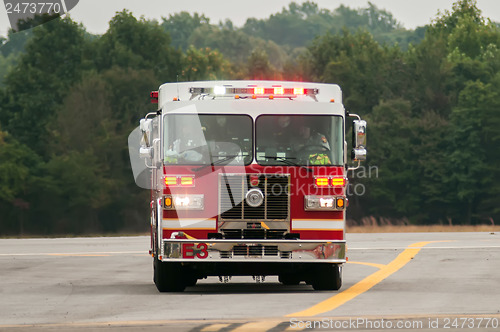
x=323, y=203
x=184, y=202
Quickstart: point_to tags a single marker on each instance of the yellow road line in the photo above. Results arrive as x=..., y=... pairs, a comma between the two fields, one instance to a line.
x=256, y=326
x=379, y=266
x=365, y=284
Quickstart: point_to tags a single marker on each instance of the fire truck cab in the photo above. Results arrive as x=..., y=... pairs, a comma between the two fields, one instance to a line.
x=246, y=178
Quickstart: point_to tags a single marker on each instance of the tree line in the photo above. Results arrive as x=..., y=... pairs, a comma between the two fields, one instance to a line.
x=69, y=99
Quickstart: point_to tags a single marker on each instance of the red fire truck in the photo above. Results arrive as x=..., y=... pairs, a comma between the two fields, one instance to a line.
x=246, y=178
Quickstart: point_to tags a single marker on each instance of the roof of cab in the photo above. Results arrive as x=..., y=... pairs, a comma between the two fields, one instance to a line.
x=184, y=90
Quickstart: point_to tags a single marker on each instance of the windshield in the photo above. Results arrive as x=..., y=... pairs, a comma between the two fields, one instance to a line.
x=204, y=139
x=307, y=140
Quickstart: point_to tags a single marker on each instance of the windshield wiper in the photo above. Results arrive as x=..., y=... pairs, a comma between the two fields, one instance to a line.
x=286, y=160
x=217, y=162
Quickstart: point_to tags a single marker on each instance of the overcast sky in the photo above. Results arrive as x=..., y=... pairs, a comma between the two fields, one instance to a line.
x=95, y=14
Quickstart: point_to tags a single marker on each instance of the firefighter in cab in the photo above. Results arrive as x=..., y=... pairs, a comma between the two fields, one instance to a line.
x=314, y=143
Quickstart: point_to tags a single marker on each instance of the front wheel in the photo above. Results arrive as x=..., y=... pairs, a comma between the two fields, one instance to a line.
x=327, y=277
x=191, y=280
x=168, y=277
x=289, y=279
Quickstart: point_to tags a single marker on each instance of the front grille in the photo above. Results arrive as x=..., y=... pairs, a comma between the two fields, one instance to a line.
x=232, y=234
x=254, y=250
x=246, y=250
x=253, y=234
x=232, y=203
x=225, y=254
x=271, y=250
x=275, y=234
x=286, y=254
x=241, y=250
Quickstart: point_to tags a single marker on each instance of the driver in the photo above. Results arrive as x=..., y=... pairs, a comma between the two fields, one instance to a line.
x=313, y=142
x=308, y=137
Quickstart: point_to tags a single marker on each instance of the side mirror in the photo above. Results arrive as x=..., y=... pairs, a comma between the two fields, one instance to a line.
x=147, y=145
x=146, y=126
x=359, y=140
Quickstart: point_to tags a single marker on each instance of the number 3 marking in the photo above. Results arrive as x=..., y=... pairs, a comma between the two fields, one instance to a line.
x=203, y=250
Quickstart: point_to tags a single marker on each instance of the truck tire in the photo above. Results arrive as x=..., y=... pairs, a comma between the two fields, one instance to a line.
x=168, y=277
x=289, y=279
x=191, y=280
x=327, y=277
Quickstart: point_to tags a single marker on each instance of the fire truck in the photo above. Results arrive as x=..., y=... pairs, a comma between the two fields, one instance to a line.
x=247, y=178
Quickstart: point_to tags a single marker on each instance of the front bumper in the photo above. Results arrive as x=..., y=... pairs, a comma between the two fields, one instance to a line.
x=286, y=251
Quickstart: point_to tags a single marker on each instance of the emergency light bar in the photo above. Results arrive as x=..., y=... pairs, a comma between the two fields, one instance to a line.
x=253, y=92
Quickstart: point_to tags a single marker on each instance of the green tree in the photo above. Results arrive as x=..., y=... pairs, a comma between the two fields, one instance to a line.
x=15, y=42
x=430, y=74
x=380, y=20
x=473, y=51
x=204, y=64
x=15, y=162
x=468, y=158
x=10, y=50
x=298, y=66
x=236, y=45
x=366, y=71
x=294, y=26
x=53, y=61
x=449, y=20
x=6, y=64
x=410, y=154
x=259, y=67
x=137, y=44
x=395, y=191
x=19, y=176
x=89, y=134
x=181, y=26
x=297, y=25
x=488, y=208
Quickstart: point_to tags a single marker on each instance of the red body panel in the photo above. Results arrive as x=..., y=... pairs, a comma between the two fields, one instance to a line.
x=195, y=233
x=325, y=235
x=301, y=184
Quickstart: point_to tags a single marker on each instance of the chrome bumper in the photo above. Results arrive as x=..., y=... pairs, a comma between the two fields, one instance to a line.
x=286, y=251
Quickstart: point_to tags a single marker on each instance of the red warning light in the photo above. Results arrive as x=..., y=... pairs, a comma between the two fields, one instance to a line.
x=154, y=97
x=279, y=91
x=258, y=91
x=298, y=91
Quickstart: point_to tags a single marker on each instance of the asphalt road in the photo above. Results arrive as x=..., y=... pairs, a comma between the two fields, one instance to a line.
x=430, y=280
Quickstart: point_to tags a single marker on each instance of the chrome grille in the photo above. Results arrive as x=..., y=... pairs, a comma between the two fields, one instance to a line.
x=232, y=203
x=254, y=250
